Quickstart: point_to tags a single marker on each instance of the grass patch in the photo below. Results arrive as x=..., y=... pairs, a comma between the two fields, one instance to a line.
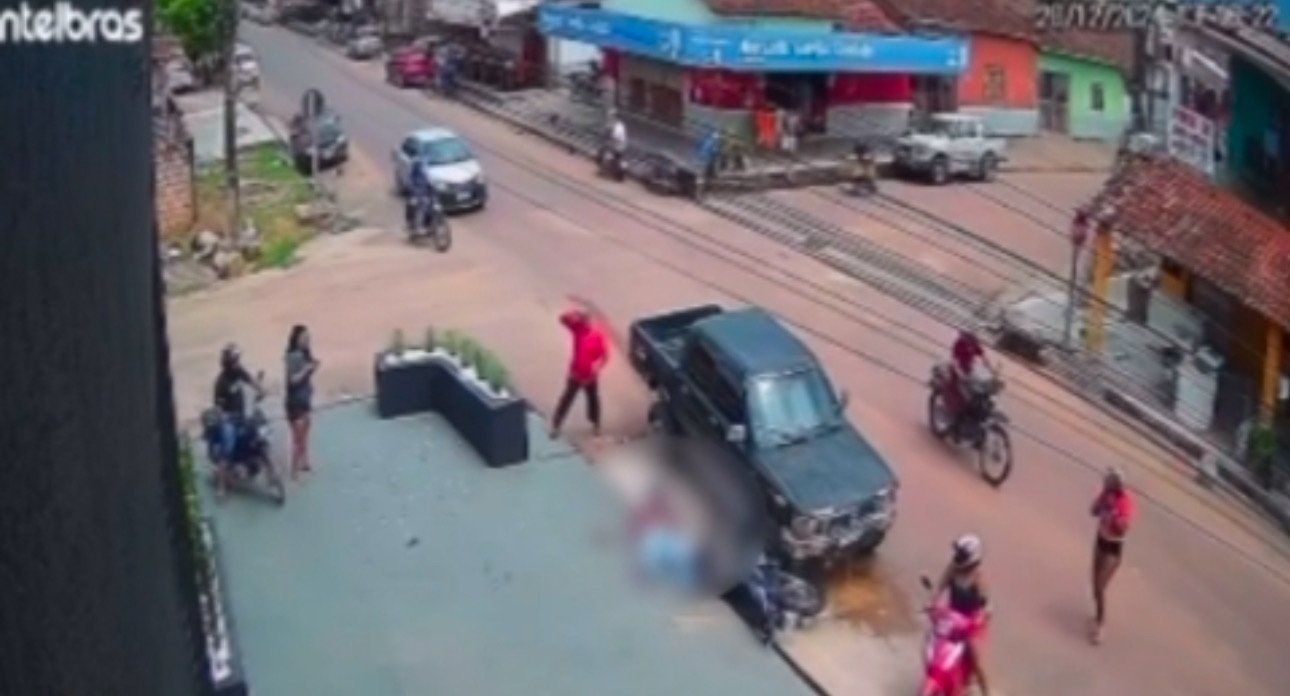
x=271, y=189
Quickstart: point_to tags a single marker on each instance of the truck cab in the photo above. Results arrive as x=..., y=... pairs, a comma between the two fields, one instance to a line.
x=948, y=145
x=742, y=380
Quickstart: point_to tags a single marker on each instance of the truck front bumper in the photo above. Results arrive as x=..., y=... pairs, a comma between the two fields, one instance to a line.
x=859, y=538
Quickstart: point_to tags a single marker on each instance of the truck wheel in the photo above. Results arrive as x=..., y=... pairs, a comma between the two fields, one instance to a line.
x=940, y=171
x=987, y=167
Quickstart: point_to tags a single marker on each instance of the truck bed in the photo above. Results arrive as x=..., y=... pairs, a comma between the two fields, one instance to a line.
x=657, y=341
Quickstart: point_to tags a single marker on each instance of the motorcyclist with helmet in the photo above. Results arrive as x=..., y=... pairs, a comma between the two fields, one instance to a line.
x=962, y=587
x=419, y=192
x=230, y=402
x=967, y=355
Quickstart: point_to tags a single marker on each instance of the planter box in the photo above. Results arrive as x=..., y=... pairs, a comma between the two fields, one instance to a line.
x=405, y=388
x=227, y=677
x=496, y=428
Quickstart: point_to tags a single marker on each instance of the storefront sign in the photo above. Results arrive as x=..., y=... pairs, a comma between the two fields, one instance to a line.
x=1191, y=139
x=737, y=48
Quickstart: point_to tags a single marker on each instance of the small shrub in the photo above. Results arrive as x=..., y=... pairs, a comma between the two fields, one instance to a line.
x=470, y=352
x=398, y=343
x=502, y=378
x=431, y=340
x=280, y=251
x=452, y=342
x=193, y=513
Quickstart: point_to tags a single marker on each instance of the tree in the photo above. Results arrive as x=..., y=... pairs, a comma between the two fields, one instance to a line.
x=197, y=23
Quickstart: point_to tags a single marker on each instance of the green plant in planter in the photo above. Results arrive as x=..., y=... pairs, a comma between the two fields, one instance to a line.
x=398, y=342
x=471, y=352
x=452, y=342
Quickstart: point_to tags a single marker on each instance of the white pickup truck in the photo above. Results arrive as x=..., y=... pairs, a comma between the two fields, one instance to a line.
x=949, y=145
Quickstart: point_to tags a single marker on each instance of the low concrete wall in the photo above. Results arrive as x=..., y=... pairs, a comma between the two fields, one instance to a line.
x=736, y=121
x=869, y=120
x=1005, y=122
x=1098, y=127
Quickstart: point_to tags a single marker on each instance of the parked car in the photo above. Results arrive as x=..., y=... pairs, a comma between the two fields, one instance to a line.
x=743, y=381
x=247, y=67
x=366, y=44
x=332, y=147
x=179, y=77
x=409, y=66
x=949, y=145
x=449, y=165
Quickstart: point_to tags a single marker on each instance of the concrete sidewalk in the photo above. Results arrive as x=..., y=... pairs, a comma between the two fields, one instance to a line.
x=403, y=565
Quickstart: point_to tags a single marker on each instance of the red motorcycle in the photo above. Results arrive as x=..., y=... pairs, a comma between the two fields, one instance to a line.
x=947, y=670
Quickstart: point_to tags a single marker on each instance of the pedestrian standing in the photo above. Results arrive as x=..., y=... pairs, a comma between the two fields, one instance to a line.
x=301, y=365
x=1114, y=510
x=590, y=353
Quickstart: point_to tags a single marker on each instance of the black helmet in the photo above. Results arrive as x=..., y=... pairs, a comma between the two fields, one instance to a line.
x=230, y=356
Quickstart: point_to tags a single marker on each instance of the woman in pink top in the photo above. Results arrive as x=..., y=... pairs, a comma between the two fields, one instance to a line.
x=1113, y=509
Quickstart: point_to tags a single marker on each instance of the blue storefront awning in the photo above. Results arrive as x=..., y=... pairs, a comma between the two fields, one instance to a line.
x=762, y=50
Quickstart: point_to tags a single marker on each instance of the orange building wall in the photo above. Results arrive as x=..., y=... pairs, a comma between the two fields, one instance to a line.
x=1020, y=63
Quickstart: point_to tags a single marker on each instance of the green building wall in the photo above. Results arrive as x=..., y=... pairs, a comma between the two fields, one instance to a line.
x=1082, y=121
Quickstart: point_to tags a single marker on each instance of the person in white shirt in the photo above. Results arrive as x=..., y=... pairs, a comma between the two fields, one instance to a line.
x=617, y=133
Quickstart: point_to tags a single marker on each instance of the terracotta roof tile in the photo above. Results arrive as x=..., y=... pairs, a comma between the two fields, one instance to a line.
x=1003, y=17
x=855, y=15
x=1174, y=211
x=1113, y=48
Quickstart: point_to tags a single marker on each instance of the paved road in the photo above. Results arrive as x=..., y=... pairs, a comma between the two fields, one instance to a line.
x=1200, y=606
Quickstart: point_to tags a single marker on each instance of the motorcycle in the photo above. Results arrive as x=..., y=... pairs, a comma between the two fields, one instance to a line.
x=610, y=164
x=585, y=87
x=786, y=601
x=979, y=422
x=946, y=668
x=250, y=462
x=863, y=177
x=429, y=220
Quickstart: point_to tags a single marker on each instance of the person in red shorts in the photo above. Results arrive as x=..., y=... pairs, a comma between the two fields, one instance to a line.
x=1114, y=509
x=590, y=354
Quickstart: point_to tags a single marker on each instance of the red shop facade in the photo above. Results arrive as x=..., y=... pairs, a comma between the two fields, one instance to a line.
x=835, y=104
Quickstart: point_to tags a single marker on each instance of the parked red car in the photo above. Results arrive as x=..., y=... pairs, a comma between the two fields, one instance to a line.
x=410, y=66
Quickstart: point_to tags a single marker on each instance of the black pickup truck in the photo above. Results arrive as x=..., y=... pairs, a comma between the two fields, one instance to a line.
x=742, y=380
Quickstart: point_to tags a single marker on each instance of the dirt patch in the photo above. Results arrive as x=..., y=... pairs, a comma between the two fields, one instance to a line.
x=861, y=594
x=272, y=190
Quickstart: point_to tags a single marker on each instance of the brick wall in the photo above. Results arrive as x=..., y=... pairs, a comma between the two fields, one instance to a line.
x=173, y=169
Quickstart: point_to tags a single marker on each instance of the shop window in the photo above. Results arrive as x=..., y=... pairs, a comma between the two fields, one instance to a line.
x=995, y=84
x=1097, y=98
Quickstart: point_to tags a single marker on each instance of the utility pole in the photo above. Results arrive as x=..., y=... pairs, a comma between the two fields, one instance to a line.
x=230, y=119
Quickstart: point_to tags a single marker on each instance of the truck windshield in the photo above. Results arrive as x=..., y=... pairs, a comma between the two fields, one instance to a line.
x=789, y=408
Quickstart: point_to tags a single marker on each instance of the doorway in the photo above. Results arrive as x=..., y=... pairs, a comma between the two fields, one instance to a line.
x=806, y=94
x=1054, y=101
x=933, y=94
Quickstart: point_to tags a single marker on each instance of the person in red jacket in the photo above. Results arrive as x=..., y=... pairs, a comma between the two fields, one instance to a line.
x=590, y=353
x=1114, y=510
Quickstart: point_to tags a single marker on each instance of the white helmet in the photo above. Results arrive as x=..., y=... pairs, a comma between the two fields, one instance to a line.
x=967, y=551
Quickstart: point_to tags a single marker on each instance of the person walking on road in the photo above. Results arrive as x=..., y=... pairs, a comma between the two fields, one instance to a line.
x=1113, y=509
x=590, y=353
x=301, y=365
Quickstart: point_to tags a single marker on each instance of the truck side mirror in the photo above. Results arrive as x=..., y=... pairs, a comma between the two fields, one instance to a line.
x=737, y=434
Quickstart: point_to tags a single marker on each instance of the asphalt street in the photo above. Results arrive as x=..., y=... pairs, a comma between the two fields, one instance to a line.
x=1200, y=606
